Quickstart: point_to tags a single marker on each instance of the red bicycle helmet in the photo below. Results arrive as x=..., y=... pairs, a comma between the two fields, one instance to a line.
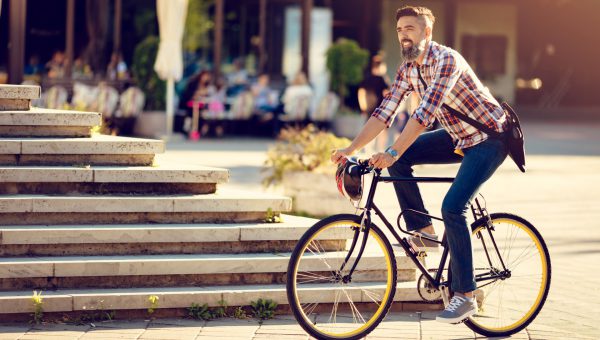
x=349, y=179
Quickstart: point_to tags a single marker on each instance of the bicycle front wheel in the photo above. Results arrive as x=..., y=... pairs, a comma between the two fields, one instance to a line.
x=328, y=301
x=512, y=270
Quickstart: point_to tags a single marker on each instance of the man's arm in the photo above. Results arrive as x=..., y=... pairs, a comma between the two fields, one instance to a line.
x=381, y=117
x=371, y=129
x=411, y=132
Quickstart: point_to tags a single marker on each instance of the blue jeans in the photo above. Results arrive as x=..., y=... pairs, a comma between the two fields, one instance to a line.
x=478, y=165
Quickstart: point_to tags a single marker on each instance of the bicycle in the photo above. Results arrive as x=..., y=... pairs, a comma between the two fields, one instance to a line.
x=350, y=260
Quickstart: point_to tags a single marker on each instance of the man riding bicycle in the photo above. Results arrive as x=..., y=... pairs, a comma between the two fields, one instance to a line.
x=445, y=82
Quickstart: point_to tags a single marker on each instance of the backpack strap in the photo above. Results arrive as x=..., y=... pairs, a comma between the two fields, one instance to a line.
x=463, y=117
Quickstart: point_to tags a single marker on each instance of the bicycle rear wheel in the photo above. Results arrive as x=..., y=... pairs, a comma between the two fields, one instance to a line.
x=326, y=301
x=512, y=270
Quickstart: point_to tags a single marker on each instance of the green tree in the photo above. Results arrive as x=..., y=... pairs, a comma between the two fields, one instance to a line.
x=346, y=62
x=197, y=25
x=142, y=68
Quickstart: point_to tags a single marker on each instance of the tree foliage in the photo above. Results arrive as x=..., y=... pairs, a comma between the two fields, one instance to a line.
x=142, y=68
x=346, y=62
x=197, y=25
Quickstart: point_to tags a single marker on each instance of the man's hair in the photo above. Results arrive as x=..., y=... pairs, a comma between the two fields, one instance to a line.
x=416, y=11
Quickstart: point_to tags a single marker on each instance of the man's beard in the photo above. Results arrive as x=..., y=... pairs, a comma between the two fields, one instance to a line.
x=413, y=52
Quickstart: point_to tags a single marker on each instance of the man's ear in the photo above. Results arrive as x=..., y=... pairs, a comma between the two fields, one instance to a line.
x=428, y=32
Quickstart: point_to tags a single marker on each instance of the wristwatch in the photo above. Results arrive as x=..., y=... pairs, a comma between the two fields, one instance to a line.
x=392, y=152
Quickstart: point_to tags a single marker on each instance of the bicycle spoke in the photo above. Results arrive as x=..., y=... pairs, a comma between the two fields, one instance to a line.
x=317, y=268
x=335, y=306
x=507, y=303
x=311, y=310
x=355, y=311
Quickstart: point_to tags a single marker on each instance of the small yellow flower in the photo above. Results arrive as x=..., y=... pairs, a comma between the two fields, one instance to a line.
x=153, y=299
x=37, y=297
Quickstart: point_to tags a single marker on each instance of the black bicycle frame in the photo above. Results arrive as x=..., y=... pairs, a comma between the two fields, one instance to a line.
x=435, y=281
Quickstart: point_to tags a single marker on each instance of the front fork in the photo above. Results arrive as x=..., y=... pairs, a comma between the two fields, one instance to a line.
x=365, y=225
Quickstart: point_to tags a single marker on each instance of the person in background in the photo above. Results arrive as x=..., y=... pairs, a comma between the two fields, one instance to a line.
x=55, y=67
x=117, y=68
x=371, y=92
x=265, y=98
x=202, y=90
x=81, y=70
x=297, y=88
x=34, y=67
x=237, y=81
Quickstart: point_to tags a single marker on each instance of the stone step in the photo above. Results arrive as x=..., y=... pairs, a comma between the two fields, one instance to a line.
x=291, y=228
x=96, y=150
x=69, y=300
x=153, y=239
x=164, y=179
x=18, y=97
x=222, y=206
x=174, y=270
x=8, y=91
x=40, y=122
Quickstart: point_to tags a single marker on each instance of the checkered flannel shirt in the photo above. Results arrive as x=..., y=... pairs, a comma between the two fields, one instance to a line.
x=449, y=81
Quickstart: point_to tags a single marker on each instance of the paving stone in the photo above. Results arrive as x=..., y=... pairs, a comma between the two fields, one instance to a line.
x=223, y=336
x=121, y=325
x=170, y=334
x=95, y=336
x=177, y=322
x=13, y=331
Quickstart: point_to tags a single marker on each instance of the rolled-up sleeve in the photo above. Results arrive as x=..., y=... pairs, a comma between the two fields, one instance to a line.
x=445, y=76
x=399, y=90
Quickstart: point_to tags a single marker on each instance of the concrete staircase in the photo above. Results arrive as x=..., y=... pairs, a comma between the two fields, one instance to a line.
x=93, y=223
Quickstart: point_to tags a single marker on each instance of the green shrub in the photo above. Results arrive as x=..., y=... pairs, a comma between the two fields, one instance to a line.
x=263, y=309
x=206, y=313
x=240, y=313
x=346, y=62
x=200, y=312
x=307, y=149
x=142, y=68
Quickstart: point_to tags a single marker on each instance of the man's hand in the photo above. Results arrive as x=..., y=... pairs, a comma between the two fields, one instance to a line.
x=382, y=160
x=338, y=155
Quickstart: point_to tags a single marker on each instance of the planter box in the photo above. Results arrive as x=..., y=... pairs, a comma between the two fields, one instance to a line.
x=151, y=124
x=315, y=193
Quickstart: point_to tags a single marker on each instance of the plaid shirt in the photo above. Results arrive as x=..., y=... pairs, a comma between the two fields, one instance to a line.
x=450, y=81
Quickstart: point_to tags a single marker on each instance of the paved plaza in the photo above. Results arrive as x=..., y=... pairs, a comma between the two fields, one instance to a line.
x=558, y=194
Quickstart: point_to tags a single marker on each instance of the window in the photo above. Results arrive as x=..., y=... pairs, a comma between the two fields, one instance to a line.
x=486, y=54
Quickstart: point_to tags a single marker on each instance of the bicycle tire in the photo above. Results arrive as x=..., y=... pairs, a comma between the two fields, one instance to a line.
x=303, y=313
x=531, y=297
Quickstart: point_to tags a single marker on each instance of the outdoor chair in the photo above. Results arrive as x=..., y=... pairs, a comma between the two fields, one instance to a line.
x=83, y=96
x=55, y=97
x=106, y=102
x=295, y=111
x=131, y=104
x=323, y=114
x=240, y=113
